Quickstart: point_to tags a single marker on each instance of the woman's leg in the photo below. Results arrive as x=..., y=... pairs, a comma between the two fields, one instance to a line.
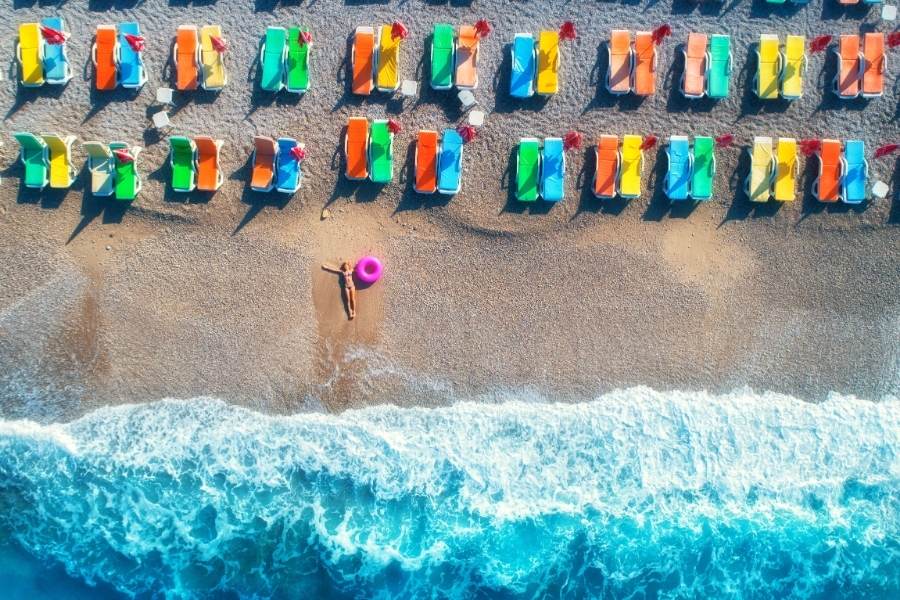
x=352, y=302
x=348, y=301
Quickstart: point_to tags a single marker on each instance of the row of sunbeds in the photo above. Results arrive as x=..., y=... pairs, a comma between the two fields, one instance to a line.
x=284, y=60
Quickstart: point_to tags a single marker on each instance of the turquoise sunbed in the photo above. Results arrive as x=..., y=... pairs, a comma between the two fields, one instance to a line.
x=34, y=157
x=528, y=168
x=718, y=78
x=182, y=154
x=287, y=173
x=553, y=170
x=856, y=172
x=381, y=152
x=271, y=59
x=131, y=66
x=450, y=162
x=678, y=177
x=442, y=59
x=703, y=170
x=57, y=69
x=521, y=82
x=297, y=74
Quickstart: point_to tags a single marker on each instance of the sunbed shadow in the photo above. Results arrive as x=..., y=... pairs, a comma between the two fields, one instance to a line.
x=106, y=5
x=741, y=207
x=659, y=205
x=587, y=201
x=257, y=201
x=825, y=81
x=101, y=99
x=894, y=214
x=112, y=211
x=48, y=198
x=24, y=95
x=810, y=205
x=760, y=9
x=832, y=11
x=363, y=2
x=704, y=7
x=513, y=205
x=186, y=3
x=260, y=98
x=410, y=199
x=751, y=104
x=442, y=2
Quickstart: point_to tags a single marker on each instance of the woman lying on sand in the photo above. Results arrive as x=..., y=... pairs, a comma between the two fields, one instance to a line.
x=346, y=273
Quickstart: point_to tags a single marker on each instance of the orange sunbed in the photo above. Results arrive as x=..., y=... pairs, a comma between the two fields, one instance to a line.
x=104, y=56
x=467, y=58
x=263, y=164
x=363, y=60
x=618, y=75
x=828, y=184
x=847, y=82
x=356, y=148
x=644, y=64
x=607, y=166
x=426, y=162
x=209, y=175
x=187, y=45
x=873, y=71
x=694, y=79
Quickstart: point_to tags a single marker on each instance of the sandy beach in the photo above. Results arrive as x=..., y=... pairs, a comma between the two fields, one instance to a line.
x=222, y=295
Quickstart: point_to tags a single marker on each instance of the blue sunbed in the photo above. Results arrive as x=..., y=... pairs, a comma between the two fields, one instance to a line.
x=287, y=174
x=450, y=162
x=521, y=82
x=56, y=63
x=131, y=65
x=679, y=175
x=856, y=172
x=553, y=170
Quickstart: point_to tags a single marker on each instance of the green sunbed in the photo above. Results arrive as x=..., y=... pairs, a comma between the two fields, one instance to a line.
x=34, y=156
x=128, y=182
x=381, y=152
x=271, y=59
x=719, y=78
x=442, y=57
x=297, y=61
x=182, y=153
x=527, y=170
x=704, y=169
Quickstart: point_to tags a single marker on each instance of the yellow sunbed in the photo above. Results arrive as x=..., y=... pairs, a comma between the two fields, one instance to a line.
x=632, y=164
x=787, y=171
x=387, y=73
x=794, y=67
x=548, y=63
x=768, y=67
x=62, y=171
x=212, y=62
x=762, y=168
x=29, y=54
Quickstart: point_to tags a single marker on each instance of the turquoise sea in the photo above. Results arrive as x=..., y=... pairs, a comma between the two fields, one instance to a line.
x=637, y=494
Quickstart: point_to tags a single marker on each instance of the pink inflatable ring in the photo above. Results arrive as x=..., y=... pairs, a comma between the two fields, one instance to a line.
x=369, y=269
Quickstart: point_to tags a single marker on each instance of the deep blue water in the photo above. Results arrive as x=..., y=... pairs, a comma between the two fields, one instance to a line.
x=638, y=494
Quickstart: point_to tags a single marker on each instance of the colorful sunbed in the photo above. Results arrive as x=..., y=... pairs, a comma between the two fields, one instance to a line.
x=33, y=153
x=128, y=181
x=693, y=79
x=272, y=58
x=450, y=162
x=104, y=54
x=794, y=67
x=768, y=72
x=606, y=166
x=426, y=162
x=521, y=83
x=132, y=74
x=381, y=152
x=356, y=148
x=827, y=186
x=847, y=79
x=186, y=56
x=182, y=154
x=787, y=170
x=62, y=169
x=678, y=176
x=528, y=169
x=209, y=174
x=718, y=80
x=873, y=65
x=703, y=167
x=387, y=71
x=288, y=174
x=632, y=164
x=212, y=62
x=621, y=62
x=467, y=58
x=29, y=52
x=548, y=63
x=262, y=178
x=856, y=172
x=363, y=60
x=442, y=56
x=553, y=170
x=763, y=165
x=644, y=73
x=101, y=166
x=57, y=70
x=297, y=70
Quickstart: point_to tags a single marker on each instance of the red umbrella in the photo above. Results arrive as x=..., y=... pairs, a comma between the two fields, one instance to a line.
x=52, y=36
x=123, y=156
x=305, y=37
x=661, y=33
x=466, y=132
x=394, y=126
x=298, y=153
x=810, y=147
x=819, y=43
x=399, y=30
x=649, y=142
x=724, y=140
x=482, y=28
x=218, y=44
x=886, y=150
x=893, y=39
x=135, y=41
x=567, y=31
x=572, y=140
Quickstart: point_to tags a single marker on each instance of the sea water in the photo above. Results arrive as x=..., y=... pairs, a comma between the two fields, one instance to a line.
x=638, y=494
